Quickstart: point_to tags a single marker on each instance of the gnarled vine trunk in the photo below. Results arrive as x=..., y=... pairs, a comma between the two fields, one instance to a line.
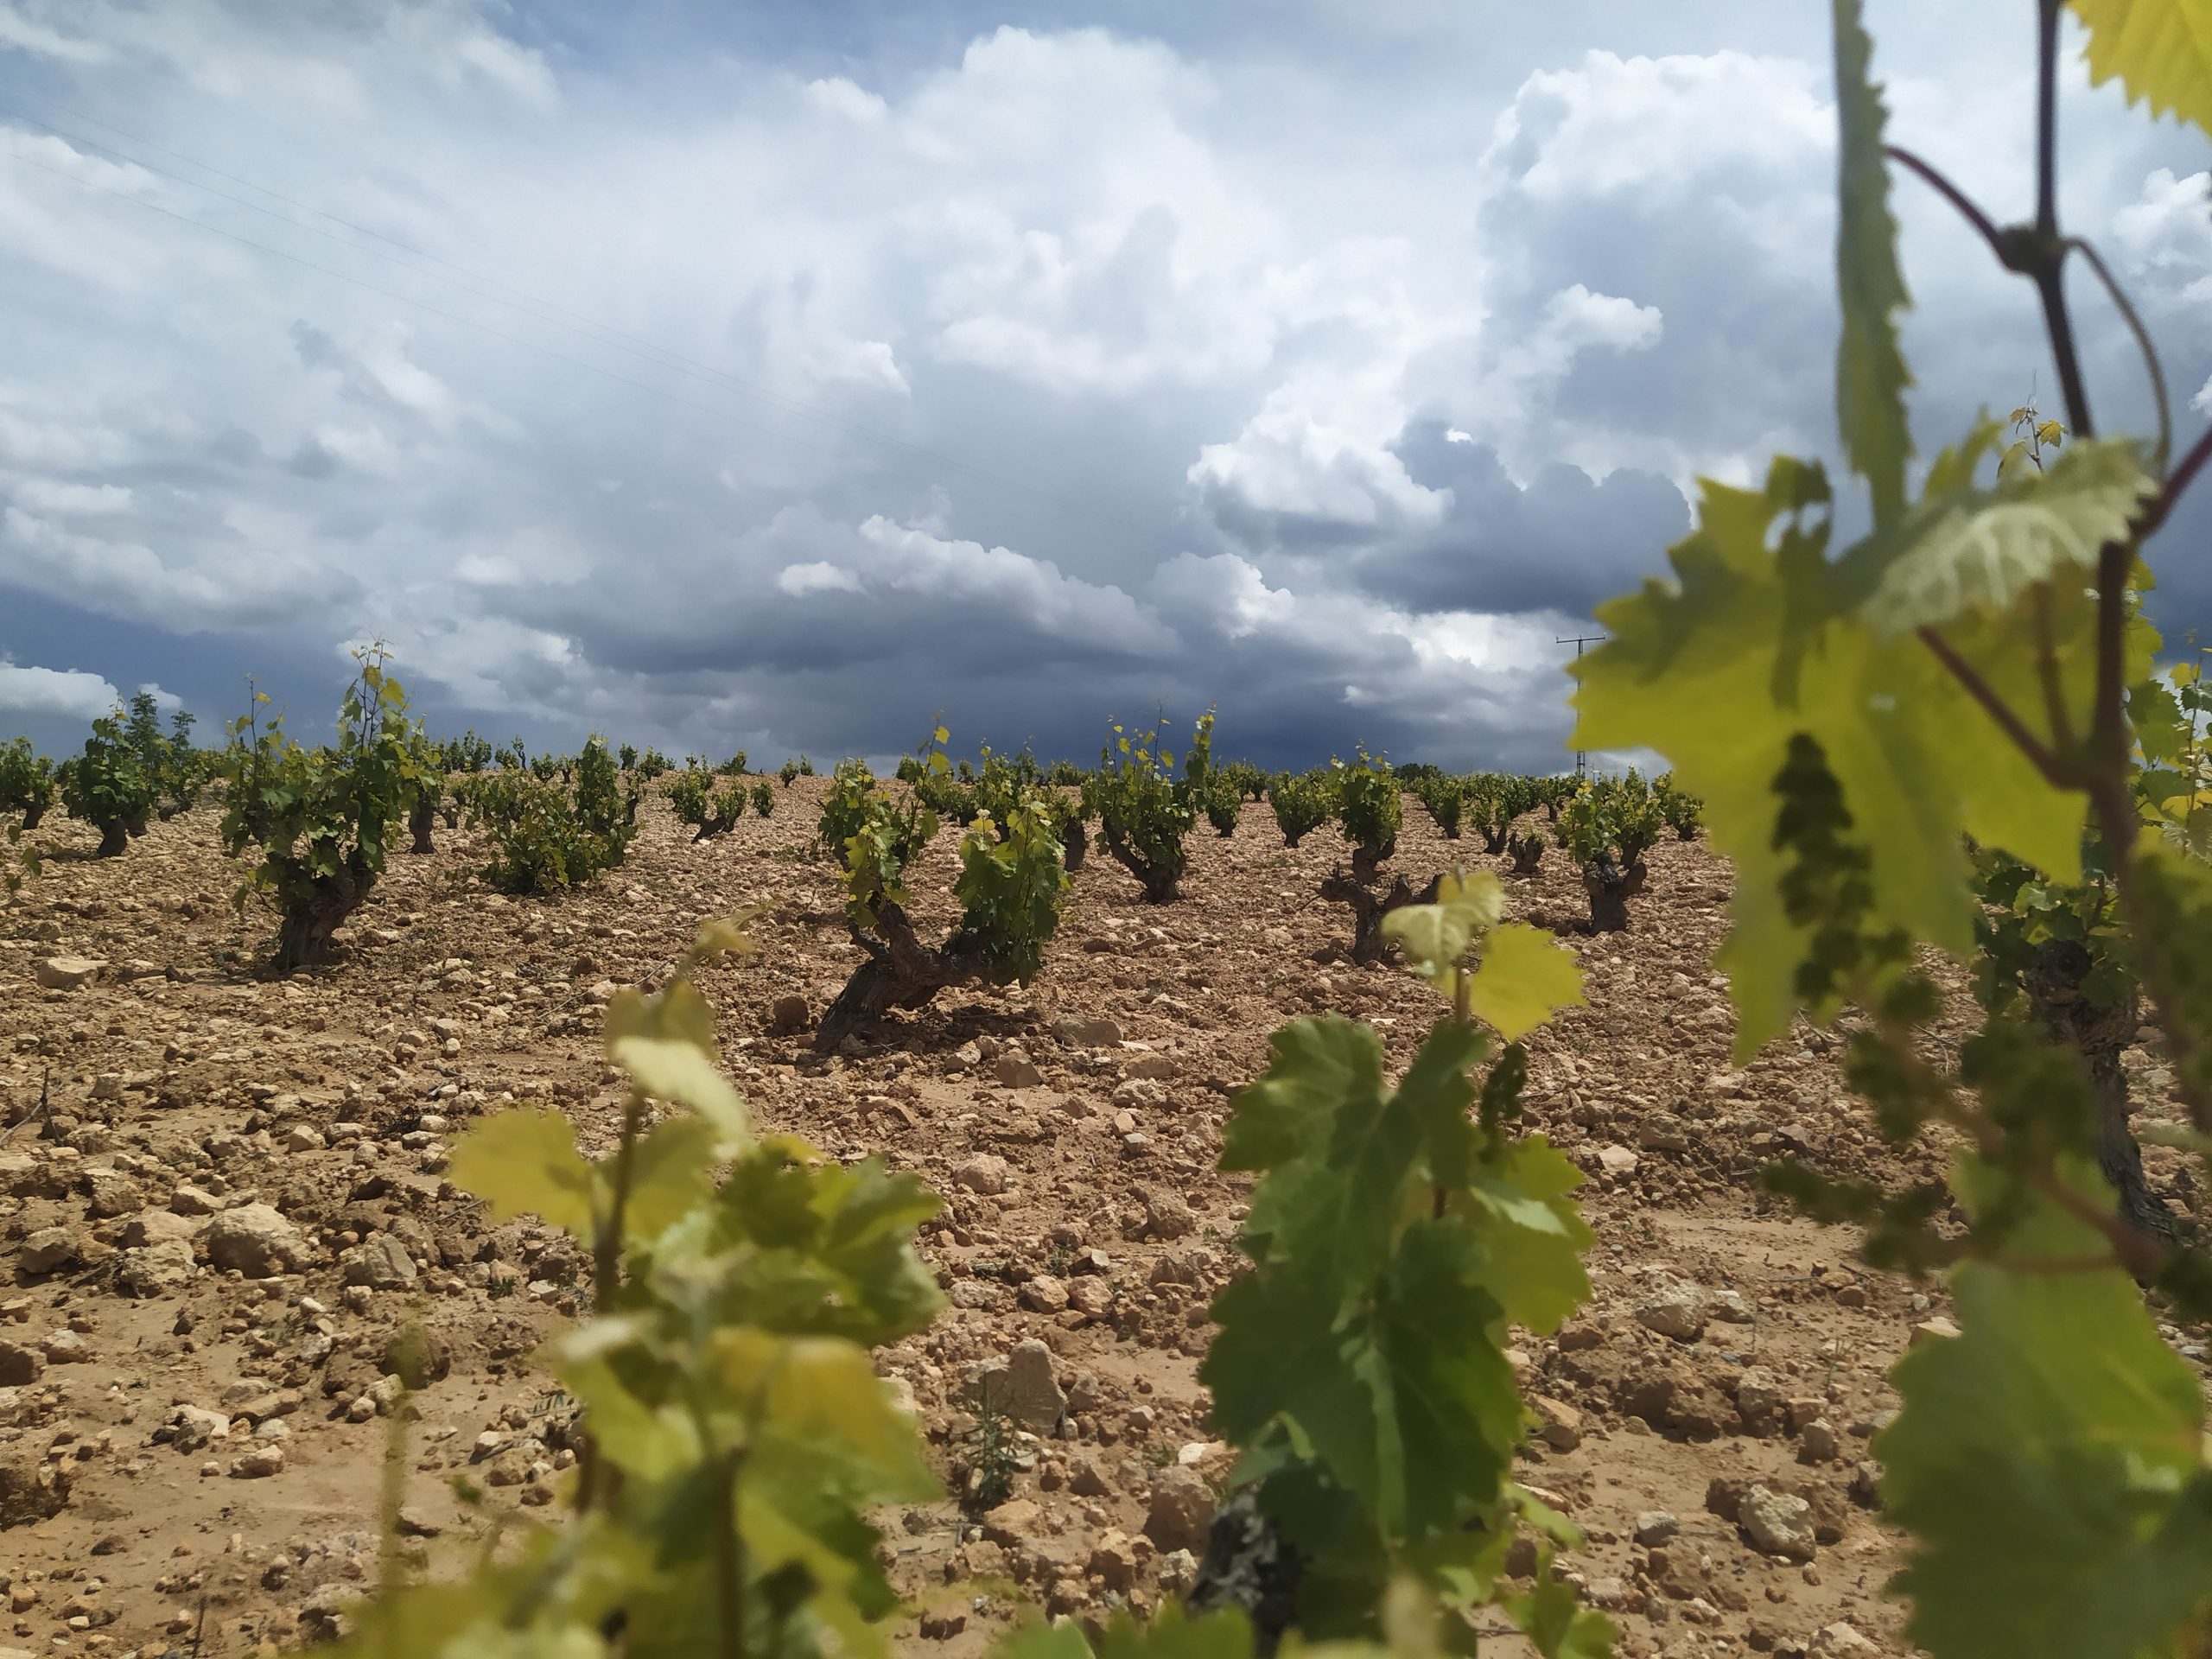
x=1367, y=862
x=1495, y=835
x=313, y=908
x=420, y=817
x=1528, y=854
x=1369, y=906
x=1163, y=882
x=32, y=815
x=115, y=838
x=1609, y=887
x=2056, y=980
x=901, y=972
x=303, y=932
x=1074, y=842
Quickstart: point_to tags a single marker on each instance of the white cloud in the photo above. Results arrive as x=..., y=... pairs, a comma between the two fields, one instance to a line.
x=461, y=49
x=1110, y=350
x=70, y=692
x=63, y=499
x=2167, y=229
x=26, y=34
x=836, y=96
x=1225, y=593
x=1613, y=125
x=1036, y=591
x=818, y=576
x=125, y=576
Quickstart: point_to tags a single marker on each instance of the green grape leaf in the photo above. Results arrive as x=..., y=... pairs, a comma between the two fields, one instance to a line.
x=1453, y=1400
x=1871, y=375
x=2048, y=1461
x=1532, y=1238
x=1558, y=1625
x=2161, y=52
x=1338, y=1207
x=672, y=1172
x=1434, y=937
x=526, y=1162
x=1407, y=1397
x=648, y=1442
x=826, y=1250
x=1342, y=1153
x=823, y=1444
x=824, y=1390
x=836, y=1589
x=1526, y=977
x=1766, y=632
x=2162, y=730
x=1981, y=549
x=1316, y=1064
x=1036, y=1639
x=666, y=1043
x=475, y=1618
x=1173, y=1633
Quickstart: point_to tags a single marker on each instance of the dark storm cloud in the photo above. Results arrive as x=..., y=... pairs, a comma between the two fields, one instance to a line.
x=1561, y=543
x=882, y=362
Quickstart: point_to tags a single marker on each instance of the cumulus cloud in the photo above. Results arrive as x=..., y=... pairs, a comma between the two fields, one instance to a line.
x=70, y=692
x=834, y=95
x=816, y=576
x=121, y=575
x=27, y=33
x=59, y=498
x=1559, y=542
x=783, y=395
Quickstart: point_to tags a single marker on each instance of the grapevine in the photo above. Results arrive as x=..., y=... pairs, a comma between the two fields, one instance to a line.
x=1145, y=810
x=1606, y=827
x=1371, y=811
x=542, y=839
x=696, y=801
x=1224, y=803
x=1395, y=1235
x=725, y=1375
x=107, y=787
x=320, y=818
x=1443, y=797
x=1952, y=732
x=1010, y=886
x=26, y=782
x=1302, y=802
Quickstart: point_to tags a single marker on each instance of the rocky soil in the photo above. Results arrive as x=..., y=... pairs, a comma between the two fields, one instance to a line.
x=221, y=1198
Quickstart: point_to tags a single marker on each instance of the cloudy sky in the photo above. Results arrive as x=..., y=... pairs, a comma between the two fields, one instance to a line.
x=775, y=377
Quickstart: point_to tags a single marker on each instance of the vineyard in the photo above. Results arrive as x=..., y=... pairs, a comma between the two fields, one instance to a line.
x=219, y=1380
x=462, y=1201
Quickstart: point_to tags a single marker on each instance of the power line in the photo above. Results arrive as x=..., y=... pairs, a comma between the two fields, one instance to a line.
x=599, y=332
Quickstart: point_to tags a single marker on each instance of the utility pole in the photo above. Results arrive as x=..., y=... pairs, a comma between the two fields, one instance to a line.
x=1578, y=641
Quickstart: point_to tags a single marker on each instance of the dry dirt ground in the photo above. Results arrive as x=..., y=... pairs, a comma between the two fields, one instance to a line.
x=220, y=1197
